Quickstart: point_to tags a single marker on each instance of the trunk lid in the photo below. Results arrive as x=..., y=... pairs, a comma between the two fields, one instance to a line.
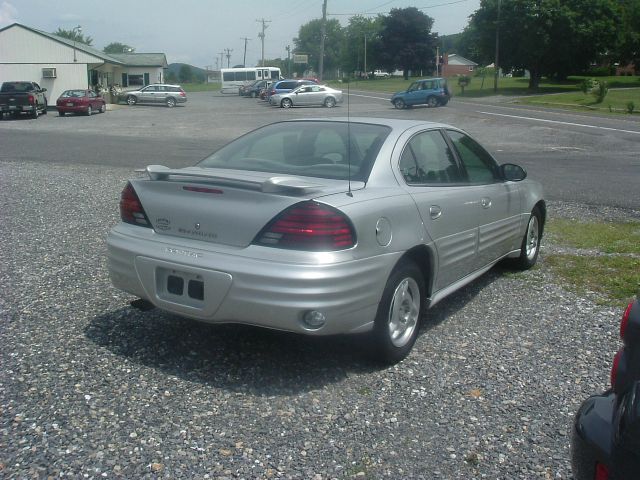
x=227, y=207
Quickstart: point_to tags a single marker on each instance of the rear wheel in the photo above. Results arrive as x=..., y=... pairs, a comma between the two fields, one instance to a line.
x=131, y=100
x=171, y=102
x=34, y=114
x=61, y=113
x=330, y=102
x=399, y=103
x=398, y=319
x=432, y=102
x=103, y=108
x=286, y=103
x=530, y=247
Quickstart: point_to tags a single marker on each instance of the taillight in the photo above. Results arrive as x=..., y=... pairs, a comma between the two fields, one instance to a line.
x=309, y=226
x=182, y=93
x=31, y=99
x=131, y=210
x=602, y=472
x=625, y=321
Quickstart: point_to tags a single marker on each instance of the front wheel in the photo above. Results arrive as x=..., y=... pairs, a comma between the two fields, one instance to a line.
x=171, y=102
x=398, y=318
x=530, y=247
x=89, y=111
x=399, y=104
x=286, y=103
x=432, y=102
x=103, y=108
x=131, y=100
x=34, y=114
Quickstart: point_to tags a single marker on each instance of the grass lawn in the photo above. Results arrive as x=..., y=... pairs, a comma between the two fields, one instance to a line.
x=200, y=87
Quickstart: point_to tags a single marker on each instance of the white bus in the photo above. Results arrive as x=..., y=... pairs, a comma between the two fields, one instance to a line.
x=233, y=78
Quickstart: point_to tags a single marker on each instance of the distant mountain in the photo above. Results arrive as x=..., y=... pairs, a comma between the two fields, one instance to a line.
x=199, y=74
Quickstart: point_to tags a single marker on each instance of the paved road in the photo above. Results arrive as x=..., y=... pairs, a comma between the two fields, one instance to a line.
x=578, y=158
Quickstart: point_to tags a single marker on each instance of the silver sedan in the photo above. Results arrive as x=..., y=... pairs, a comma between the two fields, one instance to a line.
x=308, y=95
x=320, y=227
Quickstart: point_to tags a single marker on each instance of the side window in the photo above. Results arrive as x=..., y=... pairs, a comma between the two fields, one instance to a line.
x=427, y=159
x=480, y=166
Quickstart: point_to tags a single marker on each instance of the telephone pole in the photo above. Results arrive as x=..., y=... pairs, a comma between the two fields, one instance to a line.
x=261, y=35
x=288, y=49
x=323, y=33
x=228, y=55
x=497, y=73
x=244, y=58
x=221, y=59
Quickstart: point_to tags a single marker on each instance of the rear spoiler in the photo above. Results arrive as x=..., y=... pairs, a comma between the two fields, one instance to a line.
x=277, y=184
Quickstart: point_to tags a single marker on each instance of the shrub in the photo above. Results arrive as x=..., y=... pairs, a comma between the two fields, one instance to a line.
x=630, y=107
x=600, y=91
x=587, y=85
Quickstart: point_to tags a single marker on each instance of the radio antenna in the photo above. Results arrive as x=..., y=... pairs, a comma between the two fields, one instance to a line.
x=349, y=134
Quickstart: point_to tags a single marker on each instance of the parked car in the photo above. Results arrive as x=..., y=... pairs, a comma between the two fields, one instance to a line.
x=321, y=227
x=430, y=91
x=170, y=95
x=381, y=74
x=242, y=90
x=606, y=431
x=80, y=101
x=285, y=86
x=307, y=95
x=22, y=97
x=254, y=89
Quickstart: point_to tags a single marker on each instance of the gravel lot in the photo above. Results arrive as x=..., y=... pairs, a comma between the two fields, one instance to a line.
x=92, y=388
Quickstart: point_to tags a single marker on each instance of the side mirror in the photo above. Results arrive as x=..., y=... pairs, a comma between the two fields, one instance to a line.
x=513, y=173
x=43, y=89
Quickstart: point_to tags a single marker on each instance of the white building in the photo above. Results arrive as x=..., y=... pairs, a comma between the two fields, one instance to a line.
x=59, y=64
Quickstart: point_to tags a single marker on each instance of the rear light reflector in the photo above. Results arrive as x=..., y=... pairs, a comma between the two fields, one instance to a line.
x=31, y=99
x=309, y=226
x=182, y=93
x=131, y=210
x=614, y=369
x=602, y=472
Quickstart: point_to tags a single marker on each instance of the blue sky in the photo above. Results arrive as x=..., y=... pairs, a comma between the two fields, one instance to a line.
x=196, y=31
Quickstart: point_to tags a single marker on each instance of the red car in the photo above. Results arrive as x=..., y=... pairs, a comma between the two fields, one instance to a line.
x=80, y=101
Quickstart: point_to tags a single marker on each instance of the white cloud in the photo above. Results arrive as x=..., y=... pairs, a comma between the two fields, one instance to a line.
x=8, y=14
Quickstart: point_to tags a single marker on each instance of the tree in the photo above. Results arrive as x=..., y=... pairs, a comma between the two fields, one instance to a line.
x=117, y=47
x=308, y=42
x=629, y=41
x=406, y=41
x=353, y=50
x=546, y=37
x=75, y=35
x=185, y=74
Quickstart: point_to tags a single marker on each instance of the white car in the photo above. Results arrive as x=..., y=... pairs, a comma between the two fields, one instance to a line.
x=308, y=95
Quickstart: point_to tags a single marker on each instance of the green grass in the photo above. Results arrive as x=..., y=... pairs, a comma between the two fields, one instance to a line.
x=615, y=101
x=613, y=274
x=200, y=87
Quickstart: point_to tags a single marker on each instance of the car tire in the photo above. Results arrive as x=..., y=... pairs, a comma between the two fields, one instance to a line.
x=171, y=102
x=89, y=111
x=432, y=102
x=254, y=94
x=131, y=100
x=330, y=102
x=61, y=113
x=397, y=321
x=45, y=110
x=34, y=114
x=399, y=103
x=286, y=103
x=444, y=102
x=103, y=108
x=530, y=246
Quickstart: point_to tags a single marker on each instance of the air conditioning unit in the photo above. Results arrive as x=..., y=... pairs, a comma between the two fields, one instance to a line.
x=48, y=73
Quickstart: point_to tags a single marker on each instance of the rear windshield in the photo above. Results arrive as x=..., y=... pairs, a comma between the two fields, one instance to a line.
x=73, y=94
x=336, y=150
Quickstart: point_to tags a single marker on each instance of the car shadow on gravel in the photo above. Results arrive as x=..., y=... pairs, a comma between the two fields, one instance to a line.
x=250, y=359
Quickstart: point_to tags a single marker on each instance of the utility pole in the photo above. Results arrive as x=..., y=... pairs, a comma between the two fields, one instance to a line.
x=495, y=64
x=288, y=49
x=228, y=55
x=244, y=58
x=437, y=61
x=261, y=35
x=221, y=59
x=323, y=33
x=365, y=55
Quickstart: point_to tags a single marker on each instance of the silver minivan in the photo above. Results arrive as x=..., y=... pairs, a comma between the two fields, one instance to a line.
x=170, y=95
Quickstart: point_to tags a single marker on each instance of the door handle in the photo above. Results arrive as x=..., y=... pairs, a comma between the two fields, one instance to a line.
x=485, y=202
x=435, y=212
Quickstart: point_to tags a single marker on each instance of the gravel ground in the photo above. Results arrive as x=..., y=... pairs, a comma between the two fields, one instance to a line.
x=91, y=388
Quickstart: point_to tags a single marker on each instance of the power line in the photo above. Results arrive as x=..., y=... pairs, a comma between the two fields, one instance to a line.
x=378, y=13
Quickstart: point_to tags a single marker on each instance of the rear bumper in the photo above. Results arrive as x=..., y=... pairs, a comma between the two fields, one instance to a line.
x=249, y=285
x=17, y=108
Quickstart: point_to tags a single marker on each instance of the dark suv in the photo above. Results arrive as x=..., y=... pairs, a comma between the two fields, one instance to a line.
x=285, y=86
x=429, y=91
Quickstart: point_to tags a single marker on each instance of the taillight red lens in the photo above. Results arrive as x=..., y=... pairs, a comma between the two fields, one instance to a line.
x=614, y=368
x=182, y=93
x=309, y=226
x=131, y=210
x=625, y=321
x=31, y=99
x=602, y=472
